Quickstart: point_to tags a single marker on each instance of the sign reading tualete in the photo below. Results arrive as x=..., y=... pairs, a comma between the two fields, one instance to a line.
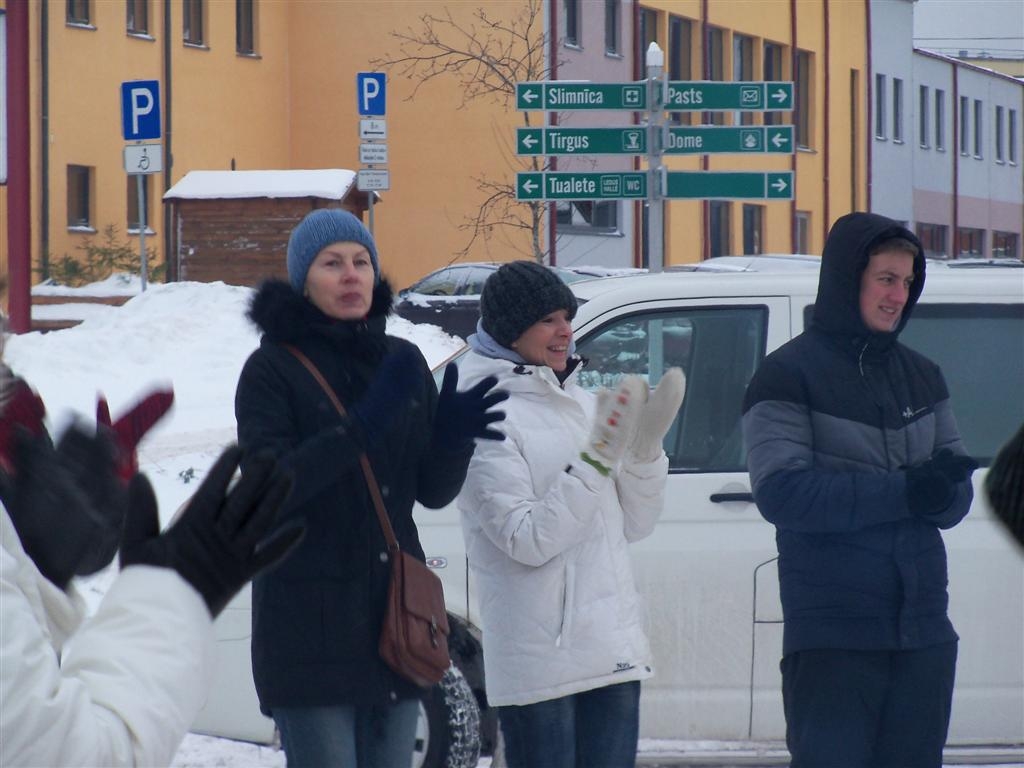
x=580, y=186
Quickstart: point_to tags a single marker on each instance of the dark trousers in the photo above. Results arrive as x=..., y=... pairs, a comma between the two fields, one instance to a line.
x=868, y=709
x=593, y=729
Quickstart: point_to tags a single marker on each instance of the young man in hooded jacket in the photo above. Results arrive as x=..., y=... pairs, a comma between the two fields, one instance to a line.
x=855, y=457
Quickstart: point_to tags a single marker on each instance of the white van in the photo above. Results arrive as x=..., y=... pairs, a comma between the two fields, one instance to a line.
x=708, y=572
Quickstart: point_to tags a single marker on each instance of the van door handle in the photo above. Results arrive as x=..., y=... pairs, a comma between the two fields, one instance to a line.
x=719, y=498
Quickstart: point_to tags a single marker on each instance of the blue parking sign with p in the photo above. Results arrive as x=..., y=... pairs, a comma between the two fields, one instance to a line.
x=370, y=92
x=140, y=110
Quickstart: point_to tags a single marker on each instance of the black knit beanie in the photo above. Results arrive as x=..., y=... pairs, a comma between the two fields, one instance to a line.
x=519, y=294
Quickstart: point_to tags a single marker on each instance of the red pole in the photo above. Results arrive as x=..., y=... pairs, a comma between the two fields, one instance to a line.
x=19, y=244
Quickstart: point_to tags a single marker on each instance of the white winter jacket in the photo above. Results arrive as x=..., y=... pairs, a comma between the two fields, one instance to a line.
x=547, y=538
x=120, y=688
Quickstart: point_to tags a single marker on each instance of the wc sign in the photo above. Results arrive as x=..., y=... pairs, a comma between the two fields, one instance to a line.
x=370, y=93
x=140, y=110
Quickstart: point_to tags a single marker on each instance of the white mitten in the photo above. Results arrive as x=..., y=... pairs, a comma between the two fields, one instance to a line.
x=657, y=415
x=615, y=421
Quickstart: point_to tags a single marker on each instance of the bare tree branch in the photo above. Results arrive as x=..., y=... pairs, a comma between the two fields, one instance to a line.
x=486, y=57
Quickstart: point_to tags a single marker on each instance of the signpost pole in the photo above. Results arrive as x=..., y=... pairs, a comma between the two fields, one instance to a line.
x=143, y=261
x=656, y=123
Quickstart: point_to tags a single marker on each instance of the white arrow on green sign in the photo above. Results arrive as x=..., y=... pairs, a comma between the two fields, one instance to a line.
x=744, y=96
x=703, y=185
x=565, y=96
x=589, y=141
x=580, y=186
x=707, y=140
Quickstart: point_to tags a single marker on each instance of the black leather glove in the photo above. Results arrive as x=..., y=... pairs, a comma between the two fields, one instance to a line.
x=463, y=416
x=392, y=384
x=222, y=538
x=931, y=485
x=66, y=503
x=1004, y=485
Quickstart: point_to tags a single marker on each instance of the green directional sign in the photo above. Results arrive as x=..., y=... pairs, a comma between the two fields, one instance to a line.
x=752, y=96
x=565, y=96
x=580, y=186
x=708, y=140
x=583, y=141
x=728, y=185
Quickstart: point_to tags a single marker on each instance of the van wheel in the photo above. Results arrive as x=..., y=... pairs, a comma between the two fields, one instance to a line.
x=448, y=732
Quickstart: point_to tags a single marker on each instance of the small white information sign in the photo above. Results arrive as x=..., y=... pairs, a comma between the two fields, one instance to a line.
x=373, y=180
x=373, y=154
x=373, y=129
x=143, y=158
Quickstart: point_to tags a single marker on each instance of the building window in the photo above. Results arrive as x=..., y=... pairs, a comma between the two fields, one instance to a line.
x=933, y=240
x=137, y=20
x=134, y=223
x=802, y=232
x=719, y=227
x=978, y=137
x=970, y=242
x=572, y=23
x=772, y=70
x=588, y=217
x=612, y=23
x=648, y=35
x=680, y=57
x=1004, y=245
x=1000, y=141
x=923, y=111
x=742, y=69
x=965, y=124
x=804, y=86
x=715, y=67
x=245, y=26
x=79, y=196
x=897, y=110
x=77, y=12
x=192, y=22
x=940, y=119
x=753, y=229
x=1011, y=132
x=880, y=106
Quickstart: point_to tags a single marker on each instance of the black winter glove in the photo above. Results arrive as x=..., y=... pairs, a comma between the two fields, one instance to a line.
x=1004, y=485
x=223, y=538
x=66, y=503
x=463, y=416
x=392, y=384
x=931, y=485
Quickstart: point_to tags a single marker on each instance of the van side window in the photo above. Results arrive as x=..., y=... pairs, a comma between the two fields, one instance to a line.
x=980, y=348
x=718, y=348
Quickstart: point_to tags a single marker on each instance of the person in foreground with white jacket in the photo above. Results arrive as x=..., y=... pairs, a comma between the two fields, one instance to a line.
x=548, y=515
x=119, y=688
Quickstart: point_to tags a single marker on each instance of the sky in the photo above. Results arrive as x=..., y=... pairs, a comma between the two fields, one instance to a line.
x=195, y=338
x=947, y=26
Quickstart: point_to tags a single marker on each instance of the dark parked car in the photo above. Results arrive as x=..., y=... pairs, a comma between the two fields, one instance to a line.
x=450, y=297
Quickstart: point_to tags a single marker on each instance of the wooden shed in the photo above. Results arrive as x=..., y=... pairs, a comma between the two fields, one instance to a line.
x=234, y=225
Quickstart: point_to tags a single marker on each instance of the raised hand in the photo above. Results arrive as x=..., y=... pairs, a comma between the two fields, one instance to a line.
x=392, y=384
x=129, y=430
x=222, y=538
x=657, y=416
x=464, y=416
x=615, y=422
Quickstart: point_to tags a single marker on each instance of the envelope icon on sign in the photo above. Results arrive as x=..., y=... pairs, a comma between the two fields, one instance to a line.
x=750, y=95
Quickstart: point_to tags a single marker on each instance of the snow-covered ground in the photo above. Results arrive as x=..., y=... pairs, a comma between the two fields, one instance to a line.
x=195, y=337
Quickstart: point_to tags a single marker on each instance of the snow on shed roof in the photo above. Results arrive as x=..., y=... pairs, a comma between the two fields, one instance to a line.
x=326, y=183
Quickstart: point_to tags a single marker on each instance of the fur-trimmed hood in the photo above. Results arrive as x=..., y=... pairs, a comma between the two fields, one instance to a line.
x=285, y=316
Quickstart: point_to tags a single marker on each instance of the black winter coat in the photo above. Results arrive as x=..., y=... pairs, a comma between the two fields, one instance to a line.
x=317, y=617
x=830, y=421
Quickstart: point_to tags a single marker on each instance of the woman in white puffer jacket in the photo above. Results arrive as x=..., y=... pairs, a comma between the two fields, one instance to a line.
x=548, y=515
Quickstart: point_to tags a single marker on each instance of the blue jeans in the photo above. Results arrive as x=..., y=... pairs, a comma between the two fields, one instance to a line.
x=868, y=709
x=593, y=729
x=348, y=737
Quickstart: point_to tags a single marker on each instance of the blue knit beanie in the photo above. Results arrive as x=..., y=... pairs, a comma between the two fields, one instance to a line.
x=318, y=230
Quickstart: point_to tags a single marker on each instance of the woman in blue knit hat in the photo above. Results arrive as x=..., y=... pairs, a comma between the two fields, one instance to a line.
x=548, y=515
x=317, y=618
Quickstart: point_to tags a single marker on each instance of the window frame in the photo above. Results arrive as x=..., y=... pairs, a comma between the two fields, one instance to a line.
x=880, y=104
x=1011, y=132
x=585, y=227
x=714, y=61
x=245, y=28
x=573, y=23
x=940, y=120
x=753, y=229
x=924, y=111
x=743, y=69
x=720, y=227
x=132, y=203
x=932, y=235
x=80, y=197
x=979, y=136
x=133, y=9
x=680, y=58
x=964, y=118
x=193, y=23
x=897, y=110
x=775, y=54
x=1000, y=140
x=613, y=27
x=78, y=13
x=803, y=125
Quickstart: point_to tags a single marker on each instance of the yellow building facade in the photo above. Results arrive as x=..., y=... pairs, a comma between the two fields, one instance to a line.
x=821, y=46
x=272, y=85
